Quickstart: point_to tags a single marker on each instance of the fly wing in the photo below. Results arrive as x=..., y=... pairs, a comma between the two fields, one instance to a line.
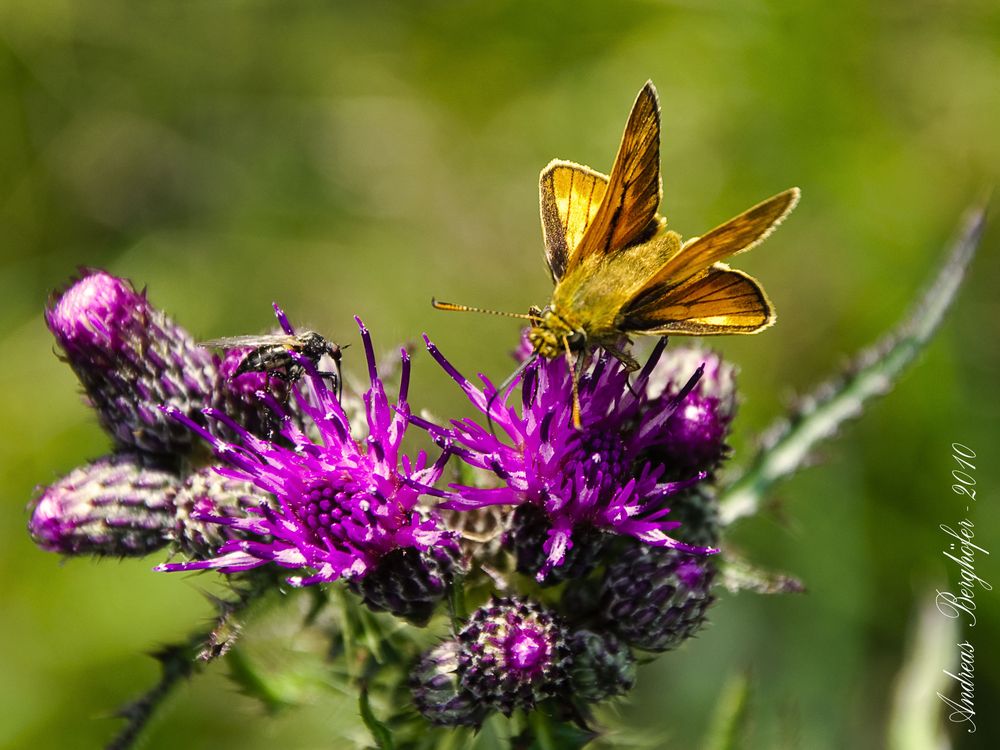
x=718, y=300
x=627, y=214
x=737, y=235
x=264, y=339
x=568, y=196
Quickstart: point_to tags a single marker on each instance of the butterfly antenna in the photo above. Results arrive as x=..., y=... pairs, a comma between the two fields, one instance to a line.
x=502, y=388
x=452, y=307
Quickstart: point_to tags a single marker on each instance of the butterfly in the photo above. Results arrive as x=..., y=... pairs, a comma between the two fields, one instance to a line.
x=618, y=271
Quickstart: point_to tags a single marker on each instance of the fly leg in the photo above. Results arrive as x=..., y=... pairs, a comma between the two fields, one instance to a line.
x=335, y=379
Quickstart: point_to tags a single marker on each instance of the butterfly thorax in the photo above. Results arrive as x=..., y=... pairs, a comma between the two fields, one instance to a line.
x=552, y=335
x=592, y=294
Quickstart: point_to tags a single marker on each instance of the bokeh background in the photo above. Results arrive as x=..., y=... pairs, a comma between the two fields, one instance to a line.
x=356, y=158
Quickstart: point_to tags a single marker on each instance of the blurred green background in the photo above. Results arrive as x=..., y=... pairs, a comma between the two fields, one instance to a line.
x=350, y=159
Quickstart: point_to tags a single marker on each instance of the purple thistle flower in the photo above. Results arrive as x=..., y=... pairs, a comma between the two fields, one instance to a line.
x=695, y=438
x=130, y=358
x=596, y=477
x=342, y=505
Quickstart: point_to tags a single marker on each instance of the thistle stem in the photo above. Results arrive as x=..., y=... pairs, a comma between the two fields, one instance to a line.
x=181, y=660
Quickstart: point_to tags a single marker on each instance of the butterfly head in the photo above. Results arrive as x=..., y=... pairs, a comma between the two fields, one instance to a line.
x=551, y=335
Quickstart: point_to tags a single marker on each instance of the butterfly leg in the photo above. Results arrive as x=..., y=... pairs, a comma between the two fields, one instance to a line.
x=630, y=362
x=575, y=367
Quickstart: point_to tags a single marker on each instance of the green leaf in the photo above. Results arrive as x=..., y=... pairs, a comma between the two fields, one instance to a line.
x=348, y=632
x=361, y=631
x=787, y=445
x=373, y=634
x=380, y=732
x=729, y=723
x=255, y=682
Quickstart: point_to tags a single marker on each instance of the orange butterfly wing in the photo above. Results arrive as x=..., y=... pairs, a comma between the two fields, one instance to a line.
x=716, y=301
x=627, y=213
x=735, y=236
x=569, y=196
x=695, y=294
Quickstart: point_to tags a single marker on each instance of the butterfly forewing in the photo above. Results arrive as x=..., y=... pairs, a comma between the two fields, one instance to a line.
x=718, y=300
x=627, y=213
x=569, y=195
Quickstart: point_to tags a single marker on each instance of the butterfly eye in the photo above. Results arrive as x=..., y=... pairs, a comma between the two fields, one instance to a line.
x=576, y=340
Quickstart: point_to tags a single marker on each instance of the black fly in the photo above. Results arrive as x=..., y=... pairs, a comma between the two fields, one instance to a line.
x=272, y=354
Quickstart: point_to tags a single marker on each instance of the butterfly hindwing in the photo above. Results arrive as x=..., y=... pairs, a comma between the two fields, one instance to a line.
x=569, y=195
x=627, y=214
x=718, y=300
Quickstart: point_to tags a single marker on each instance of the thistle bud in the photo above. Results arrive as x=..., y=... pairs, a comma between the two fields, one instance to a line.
x=115, y=506
x=513, y=654
x=656, y=597
x=718, y=381
x=603, y=666
x=437, y=690
x=694, y=438
x=207, y=494
x=131, y=359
